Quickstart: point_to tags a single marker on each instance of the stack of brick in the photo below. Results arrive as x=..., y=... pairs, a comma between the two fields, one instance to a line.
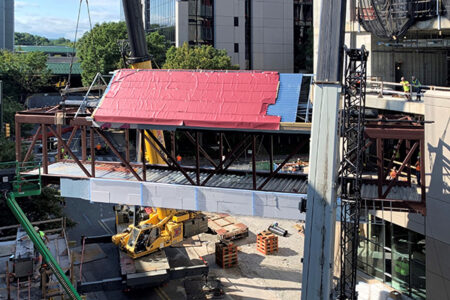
x=226, y=254
x=266, y=242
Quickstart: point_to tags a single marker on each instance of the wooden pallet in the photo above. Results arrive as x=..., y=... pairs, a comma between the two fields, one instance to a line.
x=226, y=227
x=226, y=254
x=266, y=242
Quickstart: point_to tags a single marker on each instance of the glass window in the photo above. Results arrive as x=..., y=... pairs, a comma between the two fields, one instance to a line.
x=162, y=18
x=394, y=255
x=201, y=22
x=236, y=21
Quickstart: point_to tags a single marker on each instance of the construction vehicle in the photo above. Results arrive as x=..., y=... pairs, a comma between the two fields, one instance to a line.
x=162, y=228
x=20, y=185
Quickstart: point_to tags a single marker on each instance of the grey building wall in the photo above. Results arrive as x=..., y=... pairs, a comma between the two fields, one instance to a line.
x=226, y=34
x=181, y=22
x=273, y=35
x=437, y=174
x=7, y=24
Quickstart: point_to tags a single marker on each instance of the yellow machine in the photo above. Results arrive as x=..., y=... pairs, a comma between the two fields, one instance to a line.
x=163, y=228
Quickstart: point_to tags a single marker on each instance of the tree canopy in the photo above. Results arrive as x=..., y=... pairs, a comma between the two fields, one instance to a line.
x=23, y=73
x=24, y=38
x=99, y=49
x=198, y=57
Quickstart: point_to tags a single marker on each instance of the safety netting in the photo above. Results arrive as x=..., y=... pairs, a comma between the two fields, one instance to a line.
x=392, y=18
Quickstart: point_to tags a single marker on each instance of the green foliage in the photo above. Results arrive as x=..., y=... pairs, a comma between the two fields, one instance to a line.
x=7, y=150
x=157, y=47
x=23, y=73
x=27, y=39
x=203, y=57
x=38, y=208
x=24, y=38
x=99, y=50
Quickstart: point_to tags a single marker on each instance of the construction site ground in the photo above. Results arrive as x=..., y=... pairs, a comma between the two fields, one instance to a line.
x=256, y=276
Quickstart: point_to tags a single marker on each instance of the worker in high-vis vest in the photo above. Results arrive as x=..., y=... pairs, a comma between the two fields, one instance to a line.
x=406, y=88
x=417, y=165
x=41, y=234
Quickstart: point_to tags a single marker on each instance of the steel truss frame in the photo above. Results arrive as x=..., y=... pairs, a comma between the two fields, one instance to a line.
x=52, y=121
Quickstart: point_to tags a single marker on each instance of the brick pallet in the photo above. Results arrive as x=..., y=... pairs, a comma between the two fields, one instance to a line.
x=266, y=242
x=226, y=254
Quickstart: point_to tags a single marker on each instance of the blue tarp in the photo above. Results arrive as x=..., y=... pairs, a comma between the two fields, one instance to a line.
x=288, y=96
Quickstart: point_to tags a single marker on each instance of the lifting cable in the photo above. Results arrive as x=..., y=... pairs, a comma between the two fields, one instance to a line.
x=74, y=45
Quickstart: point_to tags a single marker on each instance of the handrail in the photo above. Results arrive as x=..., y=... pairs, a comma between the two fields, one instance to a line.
x=379, y=87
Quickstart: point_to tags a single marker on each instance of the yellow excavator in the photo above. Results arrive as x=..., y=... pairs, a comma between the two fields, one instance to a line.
x=162, y=227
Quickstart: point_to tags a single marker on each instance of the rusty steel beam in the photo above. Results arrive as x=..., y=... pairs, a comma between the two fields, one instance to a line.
x=380, y=164
x=72, y=135
x=422, y=169
x=33, y=142
x=254, y=161
x=117, y=153
x=395, y=133
x=174, y=161
x=193, y=141
x=220, y=167
x=407, y=158
x=83, y=143
x=92, y=142
x=44, y=149
x=172, y=143
x=67, y=148
x=220, y=147
x=127, y=144
x=391, y=161
x=197, y=156
x=144, y=168
x=294, y=152
x=408, y=147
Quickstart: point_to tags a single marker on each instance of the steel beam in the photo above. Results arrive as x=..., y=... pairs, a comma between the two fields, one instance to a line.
x=92, y=143
x=144, y=168
x=395, y=133
x=69, y=151
x=44, y=149
x=117, y=153
x=30, y=149
x=202, y=151
x=83, y=143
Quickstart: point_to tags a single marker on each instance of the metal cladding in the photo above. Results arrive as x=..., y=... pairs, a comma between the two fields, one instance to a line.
x=206, y=99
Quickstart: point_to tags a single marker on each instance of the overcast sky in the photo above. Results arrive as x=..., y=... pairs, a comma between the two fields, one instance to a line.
x=58, y=18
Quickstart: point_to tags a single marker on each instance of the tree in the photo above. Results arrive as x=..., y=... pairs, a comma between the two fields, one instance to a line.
x=24, y=38
x=99, y=49
x=23, y=73
x=198, y=57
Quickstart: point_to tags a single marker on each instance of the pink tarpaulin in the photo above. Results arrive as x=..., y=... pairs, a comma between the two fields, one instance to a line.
x=211, y=99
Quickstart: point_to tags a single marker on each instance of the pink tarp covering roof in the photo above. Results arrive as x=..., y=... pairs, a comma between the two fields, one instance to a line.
x=211, y=99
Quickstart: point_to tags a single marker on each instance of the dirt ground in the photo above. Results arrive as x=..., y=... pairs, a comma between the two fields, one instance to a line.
x=257, y=276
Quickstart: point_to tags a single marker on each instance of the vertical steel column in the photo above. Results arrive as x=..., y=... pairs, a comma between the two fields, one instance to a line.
x=127, y=144
x=91, y=139
x=380, y=164
x=144, y=168
x=44, y=149
x=58, y=144
x=197, y=157
x=172, y=142
x=408, y=147
x=254, y=161
x=221, y=147
x=18, y=142
x=271, y=154
x=422, y=169
x=83, y=143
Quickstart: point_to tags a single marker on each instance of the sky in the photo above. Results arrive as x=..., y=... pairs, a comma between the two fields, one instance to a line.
x=58, y=18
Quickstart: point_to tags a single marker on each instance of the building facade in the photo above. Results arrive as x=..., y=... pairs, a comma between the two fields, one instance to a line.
x=260, y=35
x=408, y=251
x=7, y=24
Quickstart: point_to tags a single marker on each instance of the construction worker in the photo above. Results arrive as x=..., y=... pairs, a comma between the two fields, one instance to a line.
x=406, y=88
x=417, y=165
x=393, y=173
x=41, y=234
x=415, y=84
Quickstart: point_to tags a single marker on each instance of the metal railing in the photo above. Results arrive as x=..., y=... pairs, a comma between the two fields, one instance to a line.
x=383, y=88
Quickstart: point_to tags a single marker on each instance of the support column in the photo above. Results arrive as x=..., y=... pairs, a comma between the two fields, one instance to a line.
x=83, y=144
x=44, y=149
x=321, y=205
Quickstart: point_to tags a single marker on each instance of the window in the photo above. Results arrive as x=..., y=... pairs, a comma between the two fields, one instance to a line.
x=236, y=21
x=394, y=255
x=236, y=48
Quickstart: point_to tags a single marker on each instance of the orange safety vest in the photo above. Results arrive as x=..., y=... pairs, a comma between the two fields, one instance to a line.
x=417, y=166
x=393, y=174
